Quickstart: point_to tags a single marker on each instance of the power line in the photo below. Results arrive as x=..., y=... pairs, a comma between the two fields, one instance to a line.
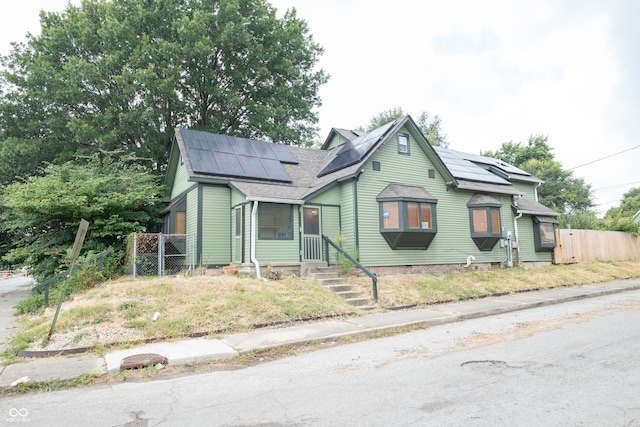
x=603, y=158
x=615, y=186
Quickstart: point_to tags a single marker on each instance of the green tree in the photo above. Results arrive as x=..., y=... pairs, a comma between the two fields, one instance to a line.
x=560, y=190
x=42, y=213
x=429, y=126
x=621, y=218
x=585, y=220
x=517, y=154
x=122, y=74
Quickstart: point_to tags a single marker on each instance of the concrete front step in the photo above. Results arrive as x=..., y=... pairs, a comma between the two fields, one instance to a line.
x=358, y=302
x=328, y=278
x=322, y=275
x=330, y=281
x=343, y=287
x=349, y=294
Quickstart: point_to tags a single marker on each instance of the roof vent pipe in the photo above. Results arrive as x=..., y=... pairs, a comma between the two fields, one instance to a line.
x=254, y=211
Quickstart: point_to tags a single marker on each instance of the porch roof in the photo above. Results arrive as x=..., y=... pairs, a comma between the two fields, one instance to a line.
x=529, y=206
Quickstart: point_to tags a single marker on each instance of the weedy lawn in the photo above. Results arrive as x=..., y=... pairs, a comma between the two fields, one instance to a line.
x=121, y=312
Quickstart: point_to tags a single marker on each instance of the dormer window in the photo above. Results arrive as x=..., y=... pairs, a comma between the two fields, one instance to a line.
x=403, y=143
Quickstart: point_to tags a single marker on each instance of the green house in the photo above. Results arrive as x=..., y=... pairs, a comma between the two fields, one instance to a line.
x=389, y=198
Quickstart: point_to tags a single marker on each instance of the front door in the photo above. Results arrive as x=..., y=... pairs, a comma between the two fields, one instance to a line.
x=311, y=238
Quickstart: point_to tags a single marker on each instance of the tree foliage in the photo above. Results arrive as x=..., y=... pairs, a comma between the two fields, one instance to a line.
x=623, y=217
x=560, y=190
x=122, y=74
x=42, y=213
x=429, y=126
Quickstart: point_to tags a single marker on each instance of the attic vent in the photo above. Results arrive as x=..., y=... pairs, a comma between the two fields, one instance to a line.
x=432, y=173
x=376, y=166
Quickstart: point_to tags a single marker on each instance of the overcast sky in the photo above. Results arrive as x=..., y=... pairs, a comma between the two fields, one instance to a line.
x=494, y=71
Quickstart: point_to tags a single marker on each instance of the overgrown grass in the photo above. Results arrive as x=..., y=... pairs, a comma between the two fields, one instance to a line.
x=230, y=304
x=422, y=289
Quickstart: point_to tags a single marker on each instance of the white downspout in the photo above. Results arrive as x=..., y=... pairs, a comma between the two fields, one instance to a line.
x=535, y=191
x=515, y=231
x=254, y=211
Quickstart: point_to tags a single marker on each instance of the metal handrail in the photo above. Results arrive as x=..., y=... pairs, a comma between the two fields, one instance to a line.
x=327, y=241
x=52, y=279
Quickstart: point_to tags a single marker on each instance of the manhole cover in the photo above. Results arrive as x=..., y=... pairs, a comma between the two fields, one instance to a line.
x=138, y=361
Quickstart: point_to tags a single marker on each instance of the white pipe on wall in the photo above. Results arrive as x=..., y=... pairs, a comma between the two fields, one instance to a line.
x=254, y=211
x=517, y=238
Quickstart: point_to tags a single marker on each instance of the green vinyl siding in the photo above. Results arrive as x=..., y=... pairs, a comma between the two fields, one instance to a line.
x=527, y=188
x=526, y=242
x=336, y=141
x=181, y=181
x=452, y=243
x=348, y=213
x=215, y=226
x=331, y=221
x=192, y=217
x=329, y=197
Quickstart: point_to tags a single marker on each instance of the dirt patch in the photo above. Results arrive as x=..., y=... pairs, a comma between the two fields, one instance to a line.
x=527, y=329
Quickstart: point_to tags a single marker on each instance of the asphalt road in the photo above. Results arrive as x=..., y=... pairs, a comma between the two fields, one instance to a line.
x=12, y=291
x=573, y=364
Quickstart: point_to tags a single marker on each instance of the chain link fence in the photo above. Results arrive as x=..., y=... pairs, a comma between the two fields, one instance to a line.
x=158, y=254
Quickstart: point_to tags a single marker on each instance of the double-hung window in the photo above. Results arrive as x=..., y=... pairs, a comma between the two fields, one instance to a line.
x=403, y=143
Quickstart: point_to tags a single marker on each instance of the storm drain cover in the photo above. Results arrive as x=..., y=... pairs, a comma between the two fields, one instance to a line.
x=143, y=360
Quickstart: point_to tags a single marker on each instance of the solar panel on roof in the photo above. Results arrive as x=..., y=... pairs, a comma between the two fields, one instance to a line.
x=462, y=168
x=264, y=151
x=202, y=160
x=353, y=152
x=252, y=165
x=274, y=170
x=231, y=156
x=244, y=150
x=283, y=154
x=229, y=164
x=506, y=167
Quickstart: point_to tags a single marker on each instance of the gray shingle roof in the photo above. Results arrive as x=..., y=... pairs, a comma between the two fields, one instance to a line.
x=393, y=191
x=529, y=206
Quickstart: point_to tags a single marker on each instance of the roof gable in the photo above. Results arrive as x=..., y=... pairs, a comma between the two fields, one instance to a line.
x=354, y=151
x=339, y=136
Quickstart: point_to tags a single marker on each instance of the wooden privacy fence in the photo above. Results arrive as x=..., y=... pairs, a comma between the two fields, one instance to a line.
x=595, y=245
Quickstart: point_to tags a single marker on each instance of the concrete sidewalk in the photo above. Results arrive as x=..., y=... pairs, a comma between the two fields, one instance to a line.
x=201, y=349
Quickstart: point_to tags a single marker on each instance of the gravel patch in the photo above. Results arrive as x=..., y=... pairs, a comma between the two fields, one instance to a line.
x=87, y=337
